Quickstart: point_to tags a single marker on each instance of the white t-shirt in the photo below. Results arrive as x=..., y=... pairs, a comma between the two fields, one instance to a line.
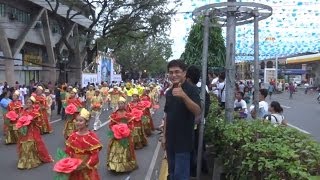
x=241, y=104
x=215, y=82
x=275, y=118
x=222, y=91
x=263, y=109
x=241, y=87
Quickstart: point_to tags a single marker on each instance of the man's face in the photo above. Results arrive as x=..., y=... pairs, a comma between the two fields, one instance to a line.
x=176, y=75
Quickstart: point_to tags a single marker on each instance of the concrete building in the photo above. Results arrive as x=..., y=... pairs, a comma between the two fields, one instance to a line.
x=29, y=34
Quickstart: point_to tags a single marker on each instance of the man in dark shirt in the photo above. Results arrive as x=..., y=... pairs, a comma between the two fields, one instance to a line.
x=181, y=108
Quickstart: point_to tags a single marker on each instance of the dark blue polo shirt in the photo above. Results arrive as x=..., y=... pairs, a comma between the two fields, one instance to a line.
x=180, y=120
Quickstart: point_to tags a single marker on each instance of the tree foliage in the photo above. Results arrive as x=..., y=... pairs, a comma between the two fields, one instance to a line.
x=149, y=54
x=193, y=48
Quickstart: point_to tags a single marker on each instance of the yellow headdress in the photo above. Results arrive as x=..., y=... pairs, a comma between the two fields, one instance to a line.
x=32, y=99
x=74, y=90
x=17, y=92
x=40, y=87
x=85, y=114
x=122, y=99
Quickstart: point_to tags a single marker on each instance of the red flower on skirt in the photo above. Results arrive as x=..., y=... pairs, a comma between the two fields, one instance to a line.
x=145, y=104
x=24, y=121
x=67, y=165
x=120, y=131
x=12, y=115
x=137, y=114
x=71, y=109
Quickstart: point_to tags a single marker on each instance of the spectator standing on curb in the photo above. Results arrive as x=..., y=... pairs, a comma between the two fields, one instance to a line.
x=181, y=108
x=263, y=105
x=276, y=114
x=222, y=90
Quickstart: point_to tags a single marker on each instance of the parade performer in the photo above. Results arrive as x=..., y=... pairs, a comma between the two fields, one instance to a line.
x=89, y=95
x=114, y=95
x=32, y=151
x=85, y=145
x=128, y=91
x=138, y=134
x=145, y=104
x=49, y=102
x=121, y=155
x=11, y=135
x=105, y=95
x=72, y=109
x=96, y=105
x=42, y=102
x=4, y=103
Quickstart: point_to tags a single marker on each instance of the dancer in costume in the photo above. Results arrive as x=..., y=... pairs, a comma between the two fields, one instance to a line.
x=85, y=145
x=42, y=102
x=89, y=95
x=11, y=134
x=145, y=104
x=138, y=134
x=96, y=105
x=121, y=155
x=72, y=110
x=105, y=95
x=32, y=151
x=114, y=94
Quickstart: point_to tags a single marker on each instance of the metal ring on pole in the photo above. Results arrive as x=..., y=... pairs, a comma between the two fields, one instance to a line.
x=244, y=12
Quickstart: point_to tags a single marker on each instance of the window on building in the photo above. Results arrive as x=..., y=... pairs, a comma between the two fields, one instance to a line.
x=2, y=10
x=17, y=14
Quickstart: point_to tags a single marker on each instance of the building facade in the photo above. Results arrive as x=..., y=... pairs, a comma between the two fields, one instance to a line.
x=29, y=36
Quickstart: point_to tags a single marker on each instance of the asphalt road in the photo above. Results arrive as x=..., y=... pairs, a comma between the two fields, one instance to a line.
x=303, y=111
x=145, y=156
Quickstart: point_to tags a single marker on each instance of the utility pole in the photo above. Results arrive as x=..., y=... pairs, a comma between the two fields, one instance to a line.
x=256, y=62
x=230, y=62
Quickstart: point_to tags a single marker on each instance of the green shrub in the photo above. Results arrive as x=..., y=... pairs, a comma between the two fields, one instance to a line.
x=259, y=150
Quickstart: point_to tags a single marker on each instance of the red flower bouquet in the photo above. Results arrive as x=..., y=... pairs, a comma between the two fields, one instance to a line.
x=12, y=115
x=67, y=165
x=71, y=109
x=120, y=131
x=145, y=104
x=24, y=121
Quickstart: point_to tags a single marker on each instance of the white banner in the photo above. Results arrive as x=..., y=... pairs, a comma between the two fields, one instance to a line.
x=116, y=77
x=89, y=78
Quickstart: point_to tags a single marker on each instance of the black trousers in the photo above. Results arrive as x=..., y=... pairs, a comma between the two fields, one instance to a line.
x=194, y=156
x=59, y=106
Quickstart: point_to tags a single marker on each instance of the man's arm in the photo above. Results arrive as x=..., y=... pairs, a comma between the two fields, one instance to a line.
x=191, y=105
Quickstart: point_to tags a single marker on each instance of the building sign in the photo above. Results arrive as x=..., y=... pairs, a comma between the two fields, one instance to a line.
x=269, y=74
x=32, y=60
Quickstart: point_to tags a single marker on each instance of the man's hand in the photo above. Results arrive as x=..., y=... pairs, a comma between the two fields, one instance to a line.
x=178, y=92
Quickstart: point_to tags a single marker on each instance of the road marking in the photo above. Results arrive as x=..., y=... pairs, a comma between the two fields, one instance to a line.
x=301, y=130
x=287, y=107
x=103, y=124
x=153, y=161
x=55, y=121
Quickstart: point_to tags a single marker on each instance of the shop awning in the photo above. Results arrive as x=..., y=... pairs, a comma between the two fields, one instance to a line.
x=303, y=59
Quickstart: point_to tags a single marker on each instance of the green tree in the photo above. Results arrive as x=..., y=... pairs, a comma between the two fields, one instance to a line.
x=193, y=48
x=149, y=55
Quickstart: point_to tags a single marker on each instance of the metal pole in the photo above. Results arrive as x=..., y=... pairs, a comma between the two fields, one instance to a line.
x=256, y=63
x=230, y=62
x=203, y=90
x=276, y=83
